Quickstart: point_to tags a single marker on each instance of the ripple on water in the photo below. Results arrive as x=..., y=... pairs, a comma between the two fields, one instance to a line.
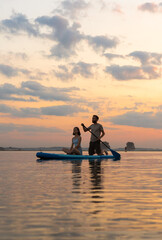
x=81, y=200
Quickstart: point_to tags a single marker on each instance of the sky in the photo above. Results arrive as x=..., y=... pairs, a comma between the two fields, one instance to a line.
x=63, y=61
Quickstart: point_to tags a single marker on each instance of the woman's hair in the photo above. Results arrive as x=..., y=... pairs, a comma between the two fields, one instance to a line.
x=78, y=131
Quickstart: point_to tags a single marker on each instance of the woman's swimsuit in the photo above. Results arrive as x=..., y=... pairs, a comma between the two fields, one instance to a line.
x=75, y=142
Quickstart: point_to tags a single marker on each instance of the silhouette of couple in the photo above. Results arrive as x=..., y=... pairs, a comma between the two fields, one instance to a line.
x=95, y=146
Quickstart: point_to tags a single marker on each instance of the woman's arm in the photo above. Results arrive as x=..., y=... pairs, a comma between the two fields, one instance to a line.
x=71, y=146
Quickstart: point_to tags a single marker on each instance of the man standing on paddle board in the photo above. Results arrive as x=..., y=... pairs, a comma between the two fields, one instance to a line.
x=96, y=129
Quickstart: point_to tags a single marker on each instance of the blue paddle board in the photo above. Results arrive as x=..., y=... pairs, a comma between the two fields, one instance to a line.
x=53, y=156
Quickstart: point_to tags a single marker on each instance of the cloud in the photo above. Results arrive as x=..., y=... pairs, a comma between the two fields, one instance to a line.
x=84, y=69
x=117, y=9
x=111, y=56
x=8, y=71
x=5, y=109
x=159, y=108
x=110, y=128
x=10, y=127
x=61, y=52
x=62, y=110
x=151, y=7
x=110, y=5
x=65, y=34
x=103, y=4
x=36, y=90
x=66, y=73
x=150, y=66
x=18, y=55
x=59, y=110
x=136, y=106
x=137, y=119
x=8, y=92
x=133, y=72
x=18, y=23
x=22, y=112
x=72, y=8
x=147, y=58
x=102, y=42
x=63, y=73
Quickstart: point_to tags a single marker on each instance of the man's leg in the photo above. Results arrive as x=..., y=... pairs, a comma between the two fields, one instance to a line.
x=91, y=148
x=98, y=147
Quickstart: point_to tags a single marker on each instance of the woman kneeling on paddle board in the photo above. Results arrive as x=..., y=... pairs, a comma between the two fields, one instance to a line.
x=76, y=143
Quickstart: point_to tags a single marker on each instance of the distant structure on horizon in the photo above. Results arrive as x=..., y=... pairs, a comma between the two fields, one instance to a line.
x=130, y=146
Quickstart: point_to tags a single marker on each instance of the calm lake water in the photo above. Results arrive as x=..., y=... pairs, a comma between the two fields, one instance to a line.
x=81, y=200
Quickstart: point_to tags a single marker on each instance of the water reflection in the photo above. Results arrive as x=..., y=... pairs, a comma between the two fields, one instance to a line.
x=76, y=173
x=80, y=199
x=96, y=179
x=96, y=174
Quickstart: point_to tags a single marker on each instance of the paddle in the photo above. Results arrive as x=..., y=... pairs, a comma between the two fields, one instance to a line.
x=114, y=153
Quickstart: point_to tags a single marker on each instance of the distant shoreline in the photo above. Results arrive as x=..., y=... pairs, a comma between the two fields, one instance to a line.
x=41, y=149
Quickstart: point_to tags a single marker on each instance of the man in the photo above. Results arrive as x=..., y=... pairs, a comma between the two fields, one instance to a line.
x=97, y=130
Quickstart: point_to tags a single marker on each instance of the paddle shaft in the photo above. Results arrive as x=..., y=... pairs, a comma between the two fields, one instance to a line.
x=94, y=135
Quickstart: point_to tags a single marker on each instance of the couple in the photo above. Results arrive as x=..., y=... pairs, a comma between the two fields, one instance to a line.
x=94, y=146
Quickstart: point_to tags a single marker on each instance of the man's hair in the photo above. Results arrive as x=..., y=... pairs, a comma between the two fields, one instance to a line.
x=96, y=116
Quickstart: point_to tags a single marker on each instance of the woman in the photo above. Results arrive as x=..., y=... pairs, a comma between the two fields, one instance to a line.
x=76, y=143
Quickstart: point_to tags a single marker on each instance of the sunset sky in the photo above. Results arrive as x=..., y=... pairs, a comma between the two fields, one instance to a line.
x=63, y=61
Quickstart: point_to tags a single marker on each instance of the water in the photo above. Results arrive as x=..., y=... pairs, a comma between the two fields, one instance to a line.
x=81, y=200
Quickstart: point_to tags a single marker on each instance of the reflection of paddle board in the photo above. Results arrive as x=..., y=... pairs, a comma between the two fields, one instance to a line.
x=53, y=156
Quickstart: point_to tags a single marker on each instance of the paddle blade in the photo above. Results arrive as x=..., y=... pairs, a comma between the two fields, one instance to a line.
x=115, y=154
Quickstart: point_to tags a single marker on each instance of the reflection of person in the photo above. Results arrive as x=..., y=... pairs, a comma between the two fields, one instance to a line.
x=104, y=148
x=76, y=173
x=97, y=129
x=96, y=175
x=76, y=143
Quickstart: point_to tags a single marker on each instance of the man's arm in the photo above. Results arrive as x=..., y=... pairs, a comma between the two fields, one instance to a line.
x=84, y=128
x=102, y=134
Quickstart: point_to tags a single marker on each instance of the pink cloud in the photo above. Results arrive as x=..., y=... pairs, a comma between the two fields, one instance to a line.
x=117, y=9
x=151, y=7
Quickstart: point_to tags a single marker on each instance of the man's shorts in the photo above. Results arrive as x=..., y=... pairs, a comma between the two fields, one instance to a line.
x=94, y=147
